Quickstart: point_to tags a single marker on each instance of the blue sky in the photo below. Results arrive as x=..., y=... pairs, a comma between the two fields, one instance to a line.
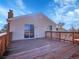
x=66, y=11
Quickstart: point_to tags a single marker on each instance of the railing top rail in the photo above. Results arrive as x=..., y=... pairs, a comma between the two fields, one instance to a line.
x=3, y=34
x=62, y=32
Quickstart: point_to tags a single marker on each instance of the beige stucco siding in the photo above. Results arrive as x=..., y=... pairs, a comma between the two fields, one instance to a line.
x=40, y=22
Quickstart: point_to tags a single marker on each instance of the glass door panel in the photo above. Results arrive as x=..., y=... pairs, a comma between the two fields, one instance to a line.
x=29, y=31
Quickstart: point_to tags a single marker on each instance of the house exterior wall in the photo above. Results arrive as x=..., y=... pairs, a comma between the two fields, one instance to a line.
x=41, y=24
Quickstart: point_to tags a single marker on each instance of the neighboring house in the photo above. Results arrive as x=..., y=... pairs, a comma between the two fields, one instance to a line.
x=30, y=26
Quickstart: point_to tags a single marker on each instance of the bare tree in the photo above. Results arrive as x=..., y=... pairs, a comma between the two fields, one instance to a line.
x=72, y=28
x=4, y=29
x=61, y=24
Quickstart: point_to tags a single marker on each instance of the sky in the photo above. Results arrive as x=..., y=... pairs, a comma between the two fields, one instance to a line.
x=66, y=11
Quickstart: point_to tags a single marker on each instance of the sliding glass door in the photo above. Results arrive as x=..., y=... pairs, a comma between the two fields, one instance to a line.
x=29, y=31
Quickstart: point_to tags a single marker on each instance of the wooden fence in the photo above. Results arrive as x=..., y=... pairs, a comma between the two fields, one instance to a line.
x=66, y=36
x=4, y=41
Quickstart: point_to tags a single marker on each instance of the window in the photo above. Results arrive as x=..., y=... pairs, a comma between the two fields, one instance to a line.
x=50, y=28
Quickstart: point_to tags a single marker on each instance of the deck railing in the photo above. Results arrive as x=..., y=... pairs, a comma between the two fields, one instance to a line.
x=66, y=36
x=4, y=41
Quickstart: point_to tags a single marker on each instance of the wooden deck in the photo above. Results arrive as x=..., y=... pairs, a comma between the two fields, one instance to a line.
x=41, y=49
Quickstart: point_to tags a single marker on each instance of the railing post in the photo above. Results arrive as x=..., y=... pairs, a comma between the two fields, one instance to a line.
x=73, y=37
x=45, y=34
x=51, y=34
x=60, y=36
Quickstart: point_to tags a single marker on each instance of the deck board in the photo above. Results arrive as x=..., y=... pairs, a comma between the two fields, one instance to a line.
x=40, y=49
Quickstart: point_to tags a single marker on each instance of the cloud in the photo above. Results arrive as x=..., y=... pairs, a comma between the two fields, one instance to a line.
x=20, y=4
x=70, y=14
x=62, y=6
x=77, y=10
x=66, y=11
x=20, y=8
x=3, y=15
x=18, y=12
x=65, y=2
x=74, y=13
x=3, y=11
